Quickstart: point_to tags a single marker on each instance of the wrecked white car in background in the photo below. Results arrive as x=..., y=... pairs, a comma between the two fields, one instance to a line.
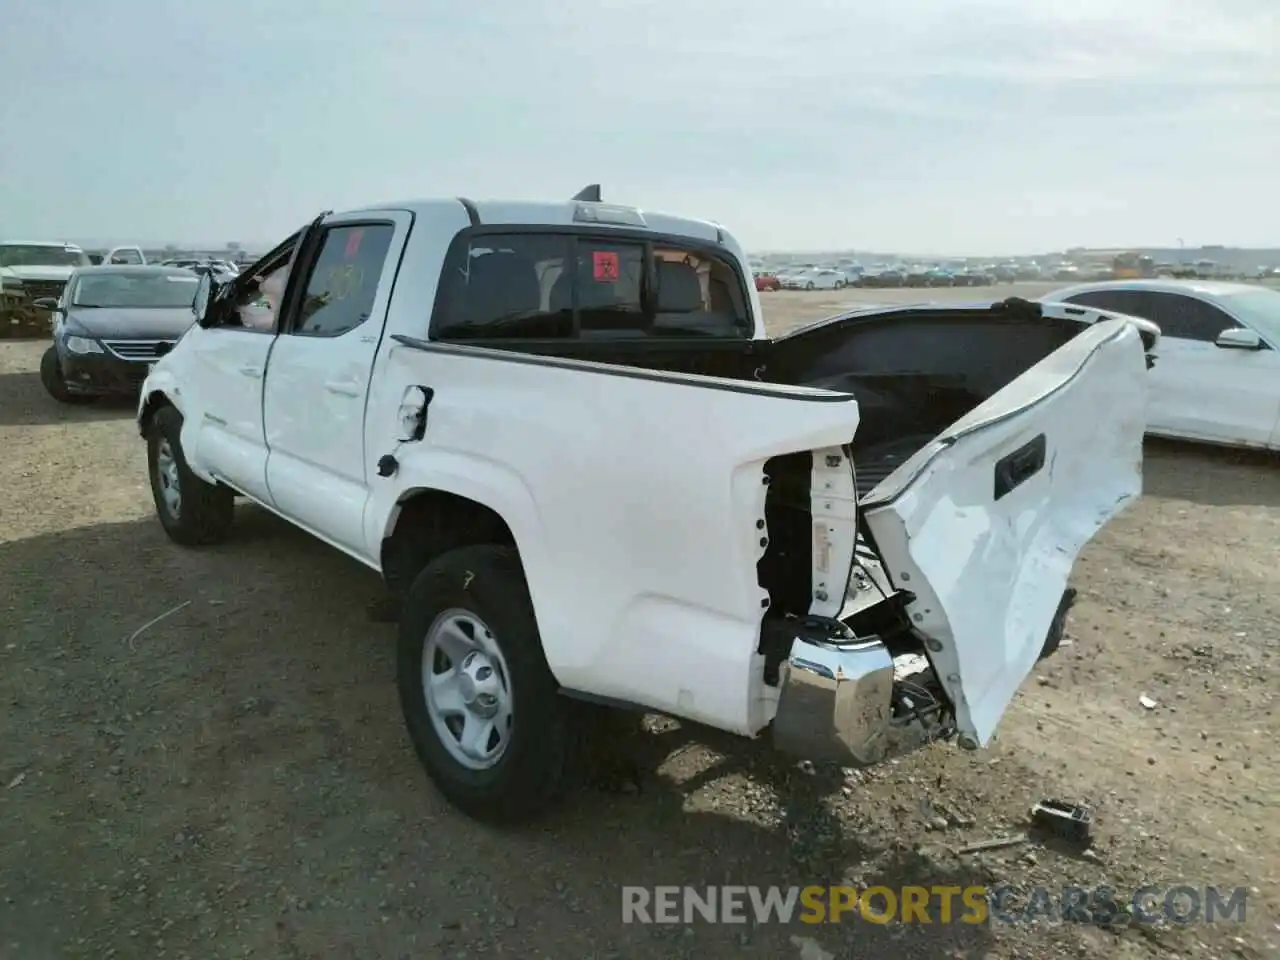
x=560, y=433
x=33, y=269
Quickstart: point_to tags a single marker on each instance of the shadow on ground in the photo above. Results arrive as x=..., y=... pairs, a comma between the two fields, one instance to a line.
x=237, y=774
x=24, y=402
x=1211, y=476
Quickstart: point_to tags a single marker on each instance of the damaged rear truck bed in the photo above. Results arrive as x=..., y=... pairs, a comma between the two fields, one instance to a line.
x=560, y=433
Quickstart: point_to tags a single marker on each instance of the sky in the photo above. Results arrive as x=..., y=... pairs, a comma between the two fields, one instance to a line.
x=957, y=127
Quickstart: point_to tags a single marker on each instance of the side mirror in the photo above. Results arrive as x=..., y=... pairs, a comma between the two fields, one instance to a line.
x=1239, y=339
x=46, y=303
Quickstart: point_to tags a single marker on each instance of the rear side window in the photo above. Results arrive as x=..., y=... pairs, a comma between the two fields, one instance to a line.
x=516, y=286
x=698, y=294
x=1178, y=317
x=1104, y=300
x=535, y=285
x=1187, y=318
x=1133, y=303
x=610, y=283
x=1090, y=299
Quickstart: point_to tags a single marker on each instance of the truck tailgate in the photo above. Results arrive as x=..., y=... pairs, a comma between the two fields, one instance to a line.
x=984, y=524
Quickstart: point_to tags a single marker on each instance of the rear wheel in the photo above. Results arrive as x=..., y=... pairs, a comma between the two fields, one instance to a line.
x=192, y=511
x=54, y=383
x=483, y=711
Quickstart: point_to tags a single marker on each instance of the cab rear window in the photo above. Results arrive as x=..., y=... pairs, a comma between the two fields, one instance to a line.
x=549, y=285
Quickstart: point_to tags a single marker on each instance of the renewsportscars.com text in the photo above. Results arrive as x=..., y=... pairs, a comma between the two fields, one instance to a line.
x=937, y=904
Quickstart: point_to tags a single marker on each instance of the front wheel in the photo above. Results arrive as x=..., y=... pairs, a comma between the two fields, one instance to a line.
x=809, y=285
x=54, y=383
x=483, y=711
x=192, y=511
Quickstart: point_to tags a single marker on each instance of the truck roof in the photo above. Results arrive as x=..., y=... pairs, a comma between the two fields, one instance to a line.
x=559, y=213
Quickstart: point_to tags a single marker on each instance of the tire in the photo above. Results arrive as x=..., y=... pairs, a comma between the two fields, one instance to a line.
x=809, y=285
x=53, y=382
x=201, y=513
x=480, y=593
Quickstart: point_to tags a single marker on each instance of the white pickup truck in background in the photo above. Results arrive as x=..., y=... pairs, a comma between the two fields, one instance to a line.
x=129, y=255
x=560, y=433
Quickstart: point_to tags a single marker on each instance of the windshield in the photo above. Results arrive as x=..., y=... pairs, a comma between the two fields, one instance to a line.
x=41, y=255
x=1259, y=308
x=141, y=290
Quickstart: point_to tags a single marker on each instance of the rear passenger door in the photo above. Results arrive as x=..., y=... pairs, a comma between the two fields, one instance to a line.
x=318, y=374
x=224, y=427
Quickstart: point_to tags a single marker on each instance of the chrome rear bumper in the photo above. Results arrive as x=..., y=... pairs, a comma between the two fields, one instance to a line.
x=835, y=701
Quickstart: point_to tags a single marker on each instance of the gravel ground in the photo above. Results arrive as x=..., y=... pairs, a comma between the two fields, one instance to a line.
x=235, y=781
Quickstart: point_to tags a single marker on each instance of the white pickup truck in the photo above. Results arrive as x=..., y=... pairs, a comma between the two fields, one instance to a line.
x=561, y=434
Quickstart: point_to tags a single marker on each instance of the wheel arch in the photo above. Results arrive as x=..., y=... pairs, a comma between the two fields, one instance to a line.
x=149, y=406
x=427, y=522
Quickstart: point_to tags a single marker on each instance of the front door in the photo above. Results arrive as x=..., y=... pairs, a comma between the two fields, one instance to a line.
x=227, y=431
x=318, y=378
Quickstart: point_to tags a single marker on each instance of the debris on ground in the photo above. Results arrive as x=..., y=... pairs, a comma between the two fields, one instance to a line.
x=810, y=949
x=154, y=620
x=993, y=843
x=1068, y=820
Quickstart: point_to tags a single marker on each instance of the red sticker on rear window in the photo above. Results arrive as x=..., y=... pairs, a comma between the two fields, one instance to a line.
x=353, y=243
x=604, y=266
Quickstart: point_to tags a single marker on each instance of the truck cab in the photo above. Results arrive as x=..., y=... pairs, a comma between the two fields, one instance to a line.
x=561, y=434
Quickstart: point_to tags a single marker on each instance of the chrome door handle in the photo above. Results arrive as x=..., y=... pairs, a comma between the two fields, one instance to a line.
x=343, y=388
x=255, y=372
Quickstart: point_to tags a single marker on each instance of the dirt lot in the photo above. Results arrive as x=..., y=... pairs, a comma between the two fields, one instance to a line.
x=236, y=781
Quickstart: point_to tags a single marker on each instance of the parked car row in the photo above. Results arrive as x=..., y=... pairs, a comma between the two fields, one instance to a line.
x=39, y=270
x=204, y=265
x=810, y=277
x=818, y=276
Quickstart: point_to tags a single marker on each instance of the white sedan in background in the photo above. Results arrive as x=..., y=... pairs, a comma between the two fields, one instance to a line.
x=1217, y=373
x=816, y=279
